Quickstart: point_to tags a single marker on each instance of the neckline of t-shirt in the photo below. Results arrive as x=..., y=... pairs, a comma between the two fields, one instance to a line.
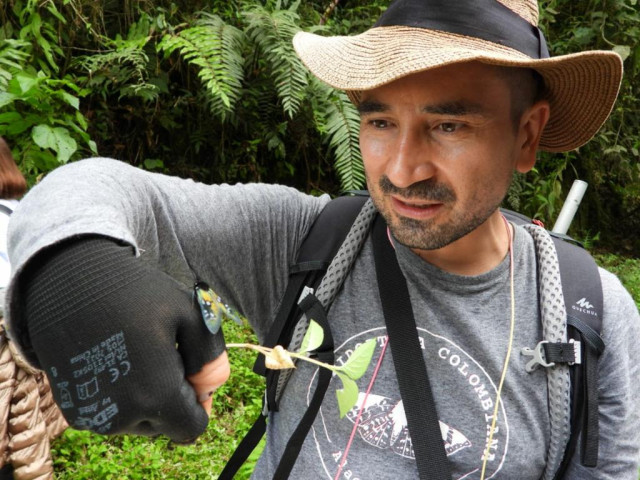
x=413, y=265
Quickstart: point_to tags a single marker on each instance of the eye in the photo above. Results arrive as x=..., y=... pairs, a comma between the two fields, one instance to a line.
x=449, y=127
x=379, y=123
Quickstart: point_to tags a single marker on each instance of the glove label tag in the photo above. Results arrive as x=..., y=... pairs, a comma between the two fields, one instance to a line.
x=107, y=361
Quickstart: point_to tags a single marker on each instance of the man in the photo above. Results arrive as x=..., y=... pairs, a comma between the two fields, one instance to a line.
x=450, y=107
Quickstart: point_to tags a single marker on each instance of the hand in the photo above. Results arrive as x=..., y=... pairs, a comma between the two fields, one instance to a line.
x=209, y=379
x=117, y=339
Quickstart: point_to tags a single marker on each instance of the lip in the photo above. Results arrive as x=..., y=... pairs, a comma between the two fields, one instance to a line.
x=419, y=210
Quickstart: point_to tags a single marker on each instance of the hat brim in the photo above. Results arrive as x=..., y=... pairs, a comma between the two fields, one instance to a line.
x=581, y=87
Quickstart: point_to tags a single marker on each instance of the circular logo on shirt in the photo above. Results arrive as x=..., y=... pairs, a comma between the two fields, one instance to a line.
x=374, y=435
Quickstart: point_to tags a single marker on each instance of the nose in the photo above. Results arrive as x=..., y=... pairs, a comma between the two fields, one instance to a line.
x=411, y=159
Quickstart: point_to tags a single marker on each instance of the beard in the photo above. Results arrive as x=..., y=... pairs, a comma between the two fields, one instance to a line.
x=434, y=233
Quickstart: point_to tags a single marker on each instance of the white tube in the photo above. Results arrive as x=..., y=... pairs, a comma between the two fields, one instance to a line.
x=570, y=207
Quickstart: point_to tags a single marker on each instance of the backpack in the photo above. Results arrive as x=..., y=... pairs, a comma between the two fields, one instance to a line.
x=330, y=244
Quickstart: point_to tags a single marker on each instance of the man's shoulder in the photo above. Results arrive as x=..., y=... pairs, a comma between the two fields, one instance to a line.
x=614, y=292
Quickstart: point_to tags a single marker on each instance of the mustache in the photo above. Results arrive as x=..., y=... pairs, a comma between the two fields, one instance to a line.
x=429, y=190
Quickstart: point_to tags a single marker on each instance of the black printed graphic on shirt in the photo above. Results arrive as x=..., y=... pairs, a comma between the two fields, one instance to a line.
x=381, y=430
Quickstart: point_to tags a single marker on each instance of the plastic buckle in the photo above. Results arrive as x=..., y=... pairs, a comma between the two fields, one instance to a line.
x=538, y=356
x=577, y=351
x=305, y=291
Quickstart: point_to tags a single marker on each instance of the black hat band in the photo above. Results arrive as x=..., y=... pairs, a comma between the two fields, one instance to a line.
x=486, y=19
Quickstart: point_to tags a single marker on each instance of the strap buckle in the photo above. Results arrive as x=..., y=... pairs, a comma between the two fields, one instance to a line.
x=538, y=356
x=577, y=350
x=557, y=351
x=305, y=292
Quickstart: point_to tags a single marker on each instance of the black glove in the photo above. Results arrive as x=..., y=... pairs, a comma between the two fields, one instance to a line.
x=116, y=338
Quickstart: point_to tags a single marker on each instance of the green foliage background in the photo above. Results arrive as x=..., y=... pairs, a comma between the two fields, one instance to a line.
x=610, y=212
x=212, y=90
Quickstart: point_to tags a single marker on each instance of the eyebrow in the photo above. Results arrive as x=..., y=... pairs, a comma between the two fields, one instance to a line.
x=372, y=106
x=456, y=108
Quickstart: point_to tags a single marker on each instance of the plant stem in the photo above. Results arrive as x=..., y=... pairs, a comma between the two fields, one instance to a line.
x=266, y=351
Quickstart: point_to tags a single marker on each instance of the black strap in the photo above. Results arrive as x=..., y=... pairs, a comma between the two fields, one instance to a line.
x=582, y=292
x=560, y=352
x=244, y=449
x=6, y=210
x=411, y=371
x=593, y=338
x=486, y=19
x=316, y=252
x=313, y=310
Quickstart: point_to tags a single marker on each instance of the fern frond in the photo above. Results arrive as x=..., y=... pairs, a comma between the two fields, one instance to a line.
x=13, y=54
x=215, y=48
x=126, y=69
x=272, y=32
x=124, y=66
x=339, y=122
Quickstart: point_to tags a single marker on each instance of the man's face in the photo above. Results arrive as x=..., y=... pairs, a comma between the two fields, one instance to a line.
x=439, y=148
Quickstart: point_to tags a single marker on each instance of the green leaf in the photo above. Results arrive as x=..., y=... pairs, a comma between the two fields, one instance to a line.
x=6, y=98
x=347, y=396
x=623, y=50
x=153, y=164
x=359, y=360
x=70, y=99
x=313, y=338
x=26, y=82
x=10, y=117
x=57, y=139
x=271, y=32
x=67, y=146
x=16, y=128
x=43, y=136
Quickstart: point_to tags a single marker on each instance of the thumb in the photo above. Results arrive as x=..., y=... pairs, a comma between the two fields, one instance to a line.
x=210, y=377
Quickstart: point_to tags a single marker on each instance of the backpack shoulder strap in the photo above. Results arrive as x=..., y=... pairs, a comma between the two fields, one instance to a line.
x=316, y=253
x=582, y=289
x=582, y=292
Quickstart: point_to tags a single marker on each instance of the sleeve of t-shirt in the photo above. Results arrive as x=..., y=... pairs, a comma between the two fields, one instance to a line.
x=240, y=239
x=619, y=389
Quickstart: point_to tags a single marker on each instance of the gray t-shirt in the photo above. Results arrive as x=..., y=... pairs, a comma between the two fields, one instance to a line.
x=242, y=239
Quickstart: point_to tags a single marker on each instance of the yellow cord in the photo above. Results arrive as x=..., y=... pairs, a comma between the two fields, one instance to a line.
x=506, y=360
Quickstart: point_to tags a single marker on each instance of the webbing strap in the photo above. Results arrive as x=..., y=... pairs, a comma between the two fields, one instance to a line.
x=246, y=446
x=411, y=371
x=337, y=271
x=590, y=429
x=318, y=250
x=593, y=338
x=313, y=310
x=583, y=297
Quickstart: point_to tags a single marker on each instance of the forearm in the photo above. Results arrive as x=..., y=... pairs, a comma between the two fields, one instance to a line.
x=239, y=239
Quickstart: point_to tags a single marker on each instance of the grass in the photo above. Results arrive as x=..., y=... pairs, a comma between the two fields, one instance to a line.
x=84, y=455
x=627, y=269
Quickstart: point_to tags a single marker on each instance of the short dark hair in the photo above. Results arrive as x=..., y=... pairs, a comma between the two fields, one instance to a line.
x=526, y=86
x=12, y=182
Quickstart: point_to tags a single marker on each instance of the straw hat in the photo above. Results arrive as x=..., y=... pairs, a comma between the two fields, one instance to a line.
x=416, y=35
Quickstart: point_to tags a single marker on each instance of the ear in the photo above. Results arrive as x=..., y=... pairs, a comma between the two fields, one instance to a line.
x=532, y=123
